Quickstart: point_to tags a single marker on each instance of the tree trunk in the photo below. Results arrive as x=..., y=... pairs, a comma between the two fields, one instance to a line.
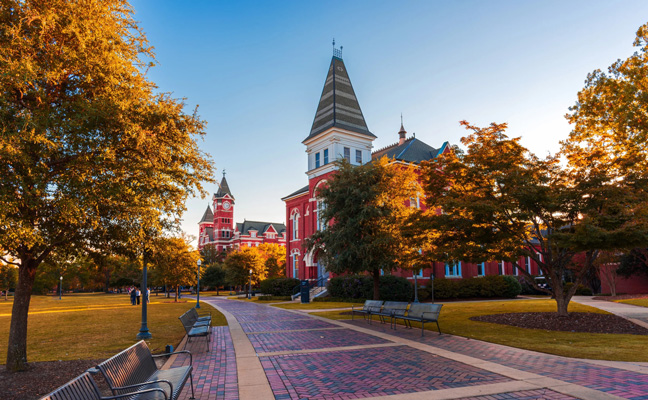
x=17, y=348
x=376, y=284
x=176, y=293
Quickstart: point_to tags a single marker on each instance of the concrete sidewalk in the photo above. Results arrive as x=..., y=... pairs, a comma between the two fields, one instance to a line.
x=636, y=314
x=271, y=353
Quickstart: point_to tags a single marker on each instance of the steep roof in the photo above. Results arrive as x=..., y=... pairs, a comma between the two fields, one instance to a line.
x=300, y=191
x=208, y=216
x=412, y=150
x=223, y=189
x=259, y=226
x=338, y=105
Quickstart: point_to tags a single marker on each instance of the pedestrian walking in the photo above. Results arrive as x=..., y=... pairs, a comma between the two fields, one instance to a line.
x=138, y=294
x=132, y=296
x=148, y=295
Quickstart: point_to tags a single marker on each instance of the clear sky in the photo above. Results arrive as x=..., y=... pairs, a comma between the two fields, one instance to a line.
x=257, y=68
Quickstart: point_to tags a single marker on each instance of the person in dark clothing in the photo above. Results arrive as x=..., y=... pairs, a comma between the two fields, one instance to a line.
x=138, y=294
x=132, y=296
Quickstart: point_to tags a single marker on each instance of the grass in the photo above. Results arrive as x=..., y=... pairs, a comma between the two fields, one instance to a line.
x=455, y=320
x=96, y=326
x=635, y=302
x=317, y=305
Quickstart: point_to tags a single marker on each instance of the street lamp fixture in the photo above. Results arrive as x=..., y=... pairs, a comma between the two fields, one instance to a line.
x=61, y=288
x=250, y=287
x=198, y=285
x=144, y=332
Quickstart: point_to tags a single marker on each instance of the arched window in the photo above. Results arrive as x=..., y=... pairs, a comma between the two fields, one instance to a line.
x=294, y=259
x=295, y=224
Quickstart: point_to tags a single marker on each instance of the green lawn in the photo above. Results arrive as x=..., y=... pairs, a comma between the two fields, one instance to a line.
x=455, y=320
x=635, y=302
x=96, y=326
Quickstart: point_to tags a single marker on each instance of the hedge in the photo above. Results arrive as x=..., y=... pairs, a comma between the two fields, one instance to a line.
x=482, y=287
x=392, y=288
x=278, y=286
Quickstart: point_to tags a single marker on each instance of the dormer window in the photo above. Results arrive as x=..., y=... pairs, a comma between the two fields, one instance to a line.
x=326, y=156
x=317, y=160
x=359, y=156
x=347, y=154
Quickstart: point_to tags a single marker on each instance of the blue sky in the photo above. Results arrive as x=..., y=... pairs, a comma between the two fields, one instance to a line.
x=256, y=69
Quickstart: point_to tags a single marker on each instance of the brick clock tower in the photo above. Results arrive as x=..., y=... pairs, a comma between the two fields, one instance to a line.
x=223, y=206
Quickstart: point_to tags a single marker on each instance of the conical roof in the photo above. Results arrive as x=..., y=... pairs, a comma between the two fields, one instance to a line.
x=338, y=105
x=208, y=216
x=223, y=189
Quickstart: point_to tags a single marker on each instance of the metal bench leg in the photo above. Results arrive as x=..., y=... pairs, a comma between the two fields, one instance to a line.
x=422, y=327
x=438, y=327
x=193, y=396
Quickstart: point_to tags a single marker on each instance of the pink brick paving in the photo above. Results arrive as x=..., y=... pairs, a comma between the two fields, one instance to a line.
x=368, y=372
x=544, y=394
x=313, y=339
x=214, y=373
x=622, y=383
x=284, y=325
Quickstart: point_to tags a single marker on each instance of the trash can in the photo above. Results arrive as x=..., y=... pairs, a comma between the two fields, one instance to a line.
x=305, y=292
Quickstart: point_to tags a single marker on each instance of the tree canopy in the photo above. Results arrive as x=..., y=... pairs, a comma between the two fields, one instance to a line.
x=369, y=205
x=173, y=263
x=89, y=147
x=239, y=263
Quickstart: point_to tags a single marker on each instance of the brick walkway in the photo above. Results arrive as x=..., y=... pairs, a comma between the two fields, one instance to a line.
x=283, y=354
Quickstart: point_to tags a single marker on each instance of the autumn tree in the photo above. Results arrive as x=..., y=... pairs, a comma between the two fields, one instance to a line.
x=88, y=145
x=214, y=276
x=274, y=259
x=173, y=263
x=367, y=207
x=239, y=263
x=8, y=278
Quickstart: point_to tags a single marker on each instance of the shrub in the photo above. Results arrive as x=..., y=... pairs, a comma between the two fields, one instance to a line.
x=487, y=286
x=581, y=290
x=278, y=286
x=527, y=288
x=268, y=297
x=392, y=288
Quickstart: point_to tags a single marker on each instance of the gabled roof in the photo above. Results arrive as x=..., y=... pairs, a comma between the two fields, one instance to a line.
x=208, y=216
x=412, y=150
x=259, y=226
x=338, y=105
x=223, y=189
x=300, y=191
x=210, y=234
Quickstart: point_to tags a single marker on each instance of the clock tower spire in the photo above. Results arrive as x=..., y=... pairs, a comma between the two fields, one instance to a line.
x=223, y=204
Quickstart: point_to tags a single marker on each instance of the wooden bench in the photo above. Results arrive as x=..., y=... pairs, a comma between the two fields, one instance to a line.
x=134, y=369
x=84, y=387
x=369, y=308
x=195, y=329
x=422, y=312
x=392, y=309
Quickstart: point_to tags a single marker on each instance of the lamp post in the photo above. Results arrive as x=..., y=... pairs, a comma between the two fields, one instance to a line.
x=250, y=287
x=61, y=288
x=432, y=286
x=198, y=286
x=416, y=300
x=144, y=332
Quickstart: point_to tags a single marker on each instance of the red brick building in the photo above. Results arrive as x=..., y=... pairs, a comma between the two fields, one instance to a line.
x=339, y=131
x=217, y=227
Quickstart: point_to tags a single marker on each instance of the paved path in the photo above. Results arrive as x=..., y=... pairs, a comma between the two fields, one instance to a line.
x=636, y=314
x=271, y=353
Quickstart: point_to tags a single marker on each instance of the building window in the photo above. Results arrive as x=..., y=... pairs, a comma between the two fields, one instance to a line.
x=527, y=264
x=481, y=269
x=295, y=265
x=453, y=270
x=317, y=160
x=500, y=268
x=321, y=206
x=295, y=227
x=418, y=273
x=540, y=260
x=325, y=156
x=347, y=154
x=359, y=156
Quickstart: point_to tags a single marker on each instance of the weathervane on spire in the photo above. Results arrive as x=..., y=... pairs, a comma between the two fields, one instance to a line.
x=223, y=172
x=337, y=52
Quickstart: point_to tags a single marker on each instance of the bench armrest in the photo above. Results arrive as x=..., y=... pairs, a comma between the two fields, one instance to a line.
x=146, y=383
x=119, y=396
x=177, y=352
